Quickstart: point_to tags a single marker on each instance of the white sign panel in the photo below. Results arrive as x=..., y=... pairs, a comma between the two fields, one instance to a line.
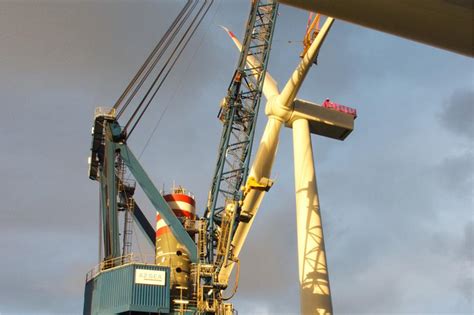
x=153, y=277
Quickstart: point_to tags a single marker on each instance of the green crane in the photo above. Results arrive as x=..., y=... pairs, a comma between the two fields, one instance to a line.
x=238, y=113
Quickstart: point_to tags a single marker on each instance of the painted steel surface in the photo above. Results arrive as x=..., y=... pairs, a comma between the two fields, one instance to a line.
x=143, y=224
x=322, y=121
x=112, y=248
x=238, y=113
x=315, y=294
x=169, y=251
x=158, y=201
x=116, y=290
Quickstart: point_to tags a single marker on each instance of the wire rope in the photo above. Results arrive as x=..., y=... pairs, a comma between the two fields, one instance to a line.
x=152, y=86
x=178, y=86
x=147, y=61
x=172, y=29
x=192, y=28
x=160, y=55
x=157, y=59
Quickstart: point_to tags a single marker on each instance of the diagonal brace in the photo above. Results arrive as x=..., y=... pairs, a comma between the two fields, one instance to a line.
x=158, y=201
x=144, y=225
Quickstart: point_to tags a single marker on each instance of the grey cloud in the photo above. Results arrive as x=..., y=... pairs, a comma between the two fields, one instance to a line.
x=466, y=252
x=458, y=113
x=466, y=286
x=387, y=284
x=456, y=174
x=40, y=273
x=467, y=245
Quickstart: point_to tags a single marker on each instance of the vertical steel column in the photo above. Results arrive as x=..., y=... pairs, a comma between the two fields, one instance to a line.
x=111, y=200
x=103, y=220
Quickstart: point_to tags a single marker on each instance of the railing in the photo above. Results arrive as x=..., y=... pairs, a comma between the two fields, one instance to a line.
x=340, y=108
x=119, y=261
x=178, y=190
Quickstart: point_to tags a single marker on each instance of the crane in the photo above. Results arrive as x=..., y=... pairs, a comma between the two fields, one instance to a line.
x=198, y=247
x=194, y=257
x=238, y=113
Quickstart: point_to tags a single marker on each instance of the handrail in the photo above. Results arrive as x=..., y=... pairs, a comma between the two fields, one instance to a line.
x=118, y=262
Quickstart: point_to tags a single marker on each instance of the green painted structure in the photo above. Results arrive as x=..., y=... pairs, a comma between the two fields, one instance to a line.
x=116, y=291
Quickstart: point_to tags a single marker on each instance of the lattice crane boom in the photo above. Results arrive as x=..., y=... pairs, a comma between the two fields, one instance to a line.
x=238, y=112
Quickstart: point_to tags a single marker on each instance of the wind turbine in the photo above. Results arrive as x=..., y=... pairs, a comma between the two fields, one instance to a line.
x=304, y=118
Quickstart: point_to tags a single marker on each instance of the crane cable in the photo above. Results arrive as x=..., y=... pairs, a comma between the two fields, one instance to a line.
x=150, y=57
x=174, y=29
x=191, y=28
x=177, y=87
x=175, y=54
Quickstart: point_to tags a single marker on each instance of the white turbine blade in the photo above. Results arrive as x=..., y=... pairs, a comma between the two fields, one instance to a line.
x=270, y=86
x=261, y=169
x=291, y=88
x=315, y=294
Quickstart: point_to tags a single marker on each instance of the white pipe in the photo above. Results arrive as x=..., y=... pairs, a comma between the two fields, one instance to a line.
x=315, y=294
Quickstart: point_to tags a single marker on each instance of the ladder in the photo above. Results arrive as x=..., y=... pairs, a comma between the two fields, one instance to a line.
x=202, y=240
x=128, y=222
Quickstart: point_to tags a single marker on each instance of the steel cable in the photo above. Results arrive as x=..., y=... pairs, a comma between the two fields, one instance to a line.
x=186, y=39
x=152, y=86
x=172, y=29
x=158, y=58
x=177, y=86
x=156, y=61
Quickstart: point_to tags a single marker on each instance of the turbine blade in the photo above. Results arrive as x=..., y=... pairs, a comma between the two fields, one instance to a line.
x=270, y=86
x=293, y=85
x=260, y=171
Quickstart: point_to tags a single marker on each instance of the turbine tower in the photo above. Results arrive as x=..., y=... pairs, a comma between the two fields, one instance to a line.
x=304, y=118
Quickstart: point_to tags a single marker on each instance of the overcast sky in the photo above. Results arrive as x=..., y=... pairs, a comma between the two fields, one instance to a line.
x=396, y=196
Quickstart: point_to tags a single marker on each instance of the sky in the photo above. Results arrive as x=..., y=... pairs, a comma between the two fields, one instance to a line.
x=396, y=196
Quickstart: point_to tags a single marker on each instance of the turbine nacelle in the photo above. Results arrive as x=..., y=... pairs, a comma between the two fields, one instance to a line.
x=322, y=121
